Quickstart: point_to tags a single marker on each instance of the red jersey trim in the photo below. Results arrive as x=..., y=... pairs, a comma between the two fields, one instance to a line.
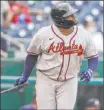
x=69, y=54
x=63, y=50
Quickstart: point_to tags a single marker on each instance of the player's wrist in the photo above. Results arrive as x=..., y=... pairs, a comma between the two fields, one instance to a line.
x=25, y=76
x=89, y=70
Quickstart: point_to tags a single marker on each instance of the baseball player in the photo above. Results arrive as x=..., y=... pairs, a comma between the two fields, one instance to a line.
x=57, y=51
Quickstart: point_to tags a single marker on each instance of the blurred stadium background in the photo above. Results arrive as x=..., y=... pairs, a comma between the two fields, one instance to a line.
x=20, y=20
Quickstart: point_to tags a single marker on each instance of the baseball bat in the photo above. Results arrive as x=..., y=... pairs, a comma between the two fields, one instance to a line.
x=14, y=88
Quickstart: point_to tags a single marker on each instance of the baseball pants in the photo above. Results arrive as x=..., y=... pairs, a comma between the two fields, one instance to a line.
x=52, y=94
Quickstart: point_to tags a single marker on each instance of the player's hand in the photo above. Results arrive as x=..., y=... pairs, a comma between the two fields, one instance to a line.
x=86, y=75
x=20, y=81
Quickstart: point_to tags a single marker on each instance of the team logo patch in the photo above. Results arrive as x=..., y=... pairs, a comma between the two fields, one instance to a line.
x=69, y=49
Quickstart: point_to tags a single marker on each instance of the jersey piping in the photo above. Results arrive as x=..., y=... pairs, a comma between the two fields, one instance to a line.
x=63, y=51
x=69, y=54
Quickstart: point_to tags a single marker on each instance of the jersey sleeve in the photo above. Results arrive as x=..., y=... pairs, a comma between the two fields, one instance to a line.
x=35, y=45
x=90, y=49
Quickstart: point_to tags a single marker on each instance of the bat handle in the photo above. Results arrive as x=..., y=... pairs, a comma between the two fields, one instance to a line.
x=22, y=86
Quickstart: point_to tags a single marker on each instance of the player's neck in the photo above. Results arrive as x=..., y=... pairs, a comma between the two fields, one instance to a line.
x=66, y=32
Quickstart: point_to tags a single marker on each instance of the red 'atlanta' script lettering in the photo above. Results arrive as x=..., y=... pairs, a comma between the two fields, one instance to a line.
x=70, y=49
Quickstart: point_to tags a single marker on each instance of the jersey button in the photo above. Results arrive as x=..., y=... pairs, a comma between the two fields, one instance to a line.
x=61, y=78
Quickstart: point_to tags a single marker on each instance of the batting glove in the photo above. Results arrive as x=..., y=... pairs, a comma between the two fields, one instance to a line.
x=20, y=81
x=86, y=75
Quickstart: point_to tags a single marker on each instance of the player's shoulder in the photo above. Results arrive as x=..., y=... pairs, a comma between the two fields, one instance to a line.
x=44, y=30
x=82, y=29
x=42, y=33
x=83, y=32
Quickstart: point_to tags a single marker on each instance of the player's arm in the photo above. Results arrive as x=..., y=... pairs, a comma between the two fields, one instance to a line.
x=93, y=63
x=28, y=66
x=33, y=51
x=92, y=66
x=91, y=55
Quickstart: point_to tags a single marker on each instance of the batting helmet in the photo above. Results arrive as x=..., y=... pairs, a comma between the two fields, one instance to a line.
x=60, y=12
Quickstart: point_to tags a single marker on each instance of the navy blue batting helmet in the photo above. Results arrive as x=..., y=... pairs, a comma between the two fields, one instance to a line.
x=60, y=12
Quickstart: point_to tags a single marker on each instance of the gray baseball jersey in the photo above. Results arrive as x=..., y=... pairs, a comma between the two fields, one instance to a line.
x=59, y=55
